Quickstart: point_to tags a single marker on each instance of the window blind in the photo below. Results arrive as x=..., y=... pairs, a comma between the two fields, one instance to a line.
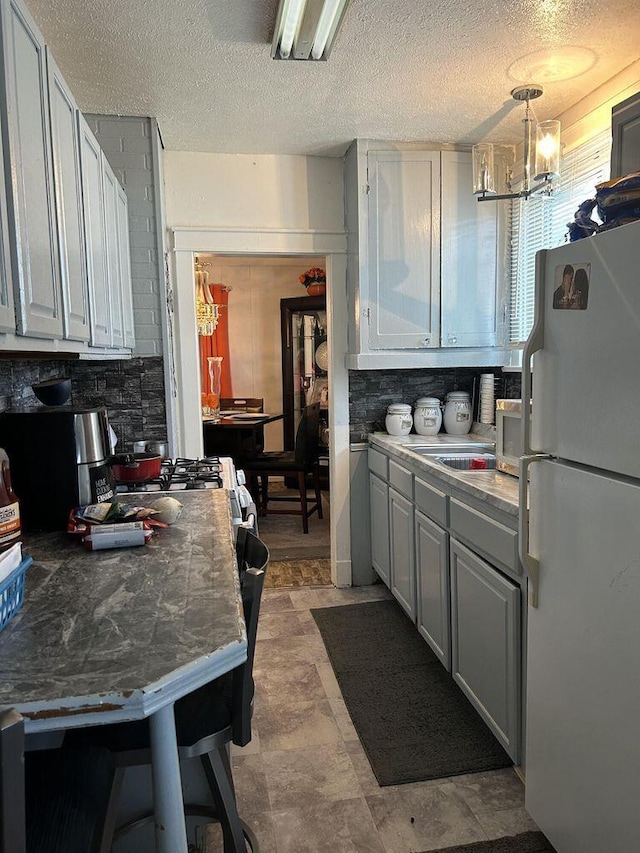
x=541, y=223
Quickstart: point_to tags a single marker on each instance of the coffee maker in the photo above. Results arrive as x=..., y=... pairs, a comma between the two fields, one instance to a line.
x=59, y=458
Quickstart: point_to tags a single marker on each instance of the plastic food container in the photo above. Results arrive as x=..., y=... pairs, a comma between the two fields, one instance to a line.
x=427, y=416
x=398, y=420
x=12, y=592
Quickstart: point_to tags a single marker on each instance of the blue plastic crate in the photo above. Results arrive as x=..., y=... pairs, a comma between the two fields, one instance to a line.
x=12, y=592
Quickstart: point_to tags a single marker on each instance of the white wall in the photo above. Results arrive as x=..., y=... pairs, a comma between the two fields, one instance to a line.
x=223, y=202
x=266, y=191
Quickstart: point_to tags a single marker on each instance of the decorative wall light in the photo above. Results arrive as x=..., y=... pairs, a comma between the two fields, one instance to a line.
x=306, y=29
x=541, y=160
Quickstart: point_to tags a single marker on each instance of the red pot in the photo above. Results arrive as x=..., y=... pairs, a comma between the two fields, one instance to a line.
x=136, y=467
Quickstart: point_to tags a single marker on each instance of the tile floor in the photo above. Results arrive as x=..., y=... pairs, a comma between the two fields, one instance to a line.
x=304, y=783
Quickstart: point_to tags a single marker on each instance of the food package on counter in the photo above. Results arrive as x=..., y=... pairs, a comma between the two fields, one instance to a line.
x=82, y=518
x=124, y=535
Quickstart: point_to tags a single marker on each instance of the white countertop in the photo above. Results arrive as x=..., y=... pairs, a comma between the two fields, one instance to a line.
x=495, y=488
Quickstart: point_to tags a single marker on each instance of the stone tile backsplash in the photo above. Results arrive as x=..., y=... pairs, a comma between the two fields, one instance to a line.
x=371, y=391
x=131, y=389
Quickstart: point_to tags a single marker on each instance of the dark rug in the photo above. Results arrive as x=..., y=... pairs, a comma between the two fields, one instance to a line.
x=526, y=842
x=413, y=721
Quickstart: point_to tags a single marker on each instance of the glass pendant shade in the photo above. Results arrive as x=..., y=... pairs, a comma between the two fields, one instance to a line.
x=483, y=169
x=547, y=150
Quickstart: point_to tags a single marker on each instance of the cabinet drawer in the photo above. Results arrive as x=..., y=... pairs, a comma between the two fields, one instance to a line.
x=401, y=479
x=378, y=463
x=431, y=501
x=492, y=539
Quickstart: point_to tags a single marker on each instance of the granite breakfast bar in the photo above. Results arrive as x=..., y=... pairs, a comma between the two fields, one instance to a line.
x=118, y=635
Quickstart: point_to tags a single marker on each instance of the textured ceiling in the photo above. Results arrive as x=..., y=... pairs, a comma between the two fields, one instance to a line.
x=400, y=69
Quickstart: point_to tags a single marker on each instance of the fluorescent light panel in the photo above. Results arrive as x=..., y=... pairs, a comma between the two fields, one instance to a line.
x=306, y=29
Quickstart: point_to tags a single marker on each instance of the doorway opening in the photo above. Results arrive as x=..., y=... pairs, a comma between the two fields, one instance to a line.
x=273, y=345
x=276, y=243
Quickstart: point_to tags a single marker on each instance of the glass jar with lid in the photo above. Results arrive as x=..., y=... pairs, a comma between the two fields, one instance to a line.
x=427, y=416
x=398, y=420
x=457, y=413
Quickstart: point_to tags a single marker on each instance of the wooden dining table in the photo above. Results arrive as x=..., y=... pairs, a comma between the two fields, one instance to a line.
x=231, y=429
x=118, y=635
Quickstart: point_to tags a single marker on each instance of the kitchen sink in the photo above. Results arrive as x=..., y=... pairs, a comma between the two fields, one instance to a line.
x=461, y=459
x=468, y=461
x=451, y=449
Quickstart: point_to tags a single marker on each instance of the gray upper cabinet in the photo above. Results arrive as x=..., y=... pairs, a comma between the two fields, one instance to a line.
x=68, y=195
x=404, y=249
x=27, y=145
x=124, y=256
x=469, y=284
x=94, y=229
x=110, y=188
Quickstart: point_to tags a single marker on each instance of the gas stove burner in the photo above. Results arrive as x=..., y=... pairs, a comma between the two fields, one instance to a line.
x=182, y=473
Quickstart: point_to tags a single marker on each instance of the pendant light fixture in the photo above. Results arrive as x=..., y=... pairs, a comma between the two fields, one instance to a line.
x=207, y=312
x=306, y=29
x=541, y=156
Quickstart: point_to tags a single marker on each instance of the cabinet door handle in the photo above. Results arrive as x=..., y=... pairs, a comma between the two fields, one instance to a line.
x=426, y=341
x=453, y=339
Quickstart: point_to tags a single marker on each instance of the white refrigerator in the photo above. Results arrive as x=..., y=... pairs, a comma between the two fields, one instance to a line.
x=580, y=544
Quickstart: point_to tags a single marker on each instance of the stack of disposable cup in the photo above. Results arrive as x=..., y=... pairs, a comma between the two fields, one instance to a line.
x=487, y=398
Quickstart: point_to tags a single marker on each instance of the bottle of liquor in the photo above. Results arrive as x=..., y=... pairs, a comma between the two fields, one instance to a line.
x=10, y=527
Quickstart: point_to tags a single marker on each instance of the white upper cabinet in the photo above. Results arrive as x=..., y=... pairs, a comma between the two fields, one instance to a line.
x=425, y=261
x=95, y=235
x=27, y=144
x=124, y=255
x=7, y=313
x=469, y=270
x=110, y=188
x=404, y=249
x=65, y=277
x=68, y=195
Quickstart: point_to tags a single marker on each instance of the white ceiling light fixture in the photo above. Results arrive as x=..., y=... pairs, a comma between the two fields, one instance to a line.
x=541, y=157
x=306, y=29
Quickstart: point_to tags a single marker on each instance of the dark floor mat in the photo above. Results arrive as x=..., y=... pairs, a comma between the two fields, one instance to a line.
x=526, y=842
x=413, y=721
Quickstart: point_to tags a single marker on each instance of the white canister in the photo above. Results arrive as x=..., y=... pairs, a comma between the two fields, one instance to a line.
x=427, y=416
x=457, y=413
x=398, y=420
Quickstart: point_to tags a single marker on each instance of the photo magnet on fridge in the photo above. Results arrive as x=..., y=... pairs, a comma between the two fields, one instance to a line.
x=571, y=291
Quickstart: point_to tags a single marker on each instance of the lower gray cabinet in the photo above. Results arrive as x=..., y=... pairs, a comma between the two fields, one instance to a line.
x=403, y=584
x=379, y=505
x=433, y=599
x=485, y=643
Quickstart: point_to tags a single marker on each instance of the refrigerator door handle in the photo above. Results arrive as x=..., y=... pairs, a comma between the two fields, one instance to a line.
x=534, y=342
x=530, y=563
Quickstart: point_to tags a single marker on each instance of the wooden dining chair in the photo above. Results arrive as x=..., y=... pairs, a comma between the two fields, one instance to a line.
x=208, y=720
x=302, y=462
x=242, y=404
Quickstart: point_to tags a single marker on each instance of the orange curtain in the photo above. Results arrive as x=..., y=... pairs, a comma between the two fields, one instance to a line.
x=217, y=343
